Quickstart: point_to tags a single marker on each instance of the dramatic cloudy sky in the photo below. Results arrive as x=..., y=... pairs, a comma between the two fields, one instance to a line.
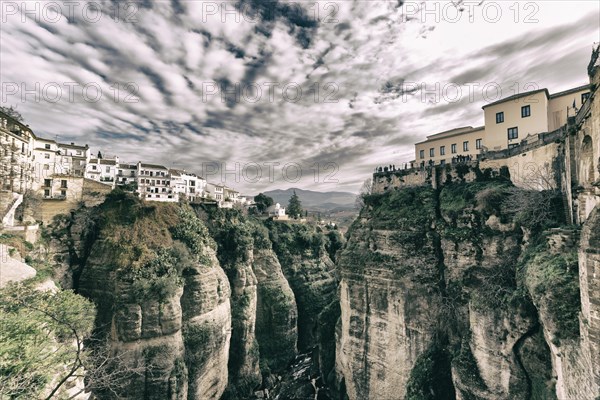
x=151, y=72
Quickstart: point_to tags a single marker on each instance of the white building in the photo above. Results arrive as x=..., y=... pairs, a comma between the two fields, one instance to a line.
x=230, y=195
x=126, y=174
x=215, y=192
x=16, y=143
x=187, y=185
x=103, y=170
x=276, y=211
x=154, y=183
x=44, y=158
x=72, y=158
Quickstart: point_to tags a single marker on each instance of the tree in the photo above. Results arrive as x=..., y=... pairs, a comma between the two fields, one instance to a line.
x=533, y=209
x=12, y=112
x=41, y=339
x=365, y=190
x=263, y=202
x=42, y=335
x=294, y=206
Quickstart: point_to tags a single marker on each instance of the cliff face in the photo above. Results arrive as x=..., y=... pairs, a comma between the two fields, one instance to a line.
x=163, y=300
x=382, y=307
x=439, y=297
x=196, y=313
x=306, y=264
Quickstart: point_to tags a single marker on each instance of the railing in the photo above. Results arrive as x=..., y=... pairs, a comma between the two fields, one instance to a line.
x=543, y=139
x=584, y=110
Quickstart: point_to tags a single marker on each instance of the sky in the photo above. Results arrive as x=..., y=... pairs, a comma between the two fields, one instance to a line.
x=270, y=95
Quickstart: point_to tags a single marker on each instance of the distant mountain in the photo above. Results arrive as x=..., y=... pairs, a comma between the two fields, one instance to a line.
x=315, y=201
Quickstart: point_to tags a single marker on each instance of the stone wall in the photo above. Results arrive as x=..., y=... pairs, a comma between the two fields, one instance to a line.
x=584, y=149
x=537, y=169
x=80, y=191
x=383, y=181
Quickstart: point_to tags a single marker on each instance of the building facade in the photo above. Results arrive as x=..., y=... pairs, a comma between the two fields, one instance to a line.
x=58, y=171
x=154, y=183
x=16, y=142
x=508, y=123
x=443, y=147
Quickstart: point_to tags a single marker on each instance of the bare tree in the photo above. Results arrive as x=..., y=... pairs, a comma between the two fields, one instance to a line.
x=533, y=208
x=12, y=112
x=365, y=190
x=107, y=371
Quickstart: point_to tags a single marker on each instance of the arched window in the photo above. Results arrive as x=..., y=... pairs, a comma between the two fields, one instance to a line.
x=587, y=161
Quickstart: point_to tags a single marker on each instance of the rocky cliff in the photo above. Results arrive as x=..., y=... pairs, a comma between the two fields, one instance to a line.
x=196, y=302
x=462, y=292
x=163, y=300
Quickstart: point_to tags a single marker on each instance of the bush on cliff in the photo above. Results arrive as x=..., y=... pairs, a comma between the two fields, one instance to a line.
x=553, y=283
x=430, y=378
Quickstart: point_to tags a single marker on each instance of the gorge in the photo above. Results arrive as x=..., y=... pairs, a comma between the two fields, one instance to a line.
x=474, y=290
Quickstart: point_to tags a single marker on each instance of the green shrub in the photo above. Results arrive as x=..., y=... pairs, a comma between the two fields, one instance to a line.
x=157, y=279
x=553, y=283
x=430, y=378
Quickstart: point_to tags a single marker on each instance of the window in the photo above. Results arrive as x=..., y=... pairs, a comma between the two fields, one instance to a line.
x=421, y=154
x=584, y=97
x=499, y=117
x=453, y=148
x=431, y=152
x=47, y=192
x=63, y=193
x=47, y=182
x=478, y=144
x=46, y=156
x=466, y=146
x=443, y=162
x=132, y=173
x=192, y=183
x=47, y=146
x=63, y=183
x=46, y=167
x=525, y=111
x=513, y=133
x=94, y=167
x=442, y=150
x=107, y=170
x=78, y=152
x=120, y=172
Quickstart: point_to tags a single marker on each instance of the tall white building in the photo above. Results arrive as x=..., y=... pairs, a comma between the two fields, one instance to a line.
x=154, y=183
x=16, y=143
x=103, y=170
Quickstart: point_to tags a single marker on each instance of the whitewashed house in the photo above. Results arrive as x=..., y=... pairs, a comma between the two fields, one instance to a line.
x=154, y=183
x=126, y=174
x=215, y=192
x=276, y=211
x=73, y=158
x=103, y=170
